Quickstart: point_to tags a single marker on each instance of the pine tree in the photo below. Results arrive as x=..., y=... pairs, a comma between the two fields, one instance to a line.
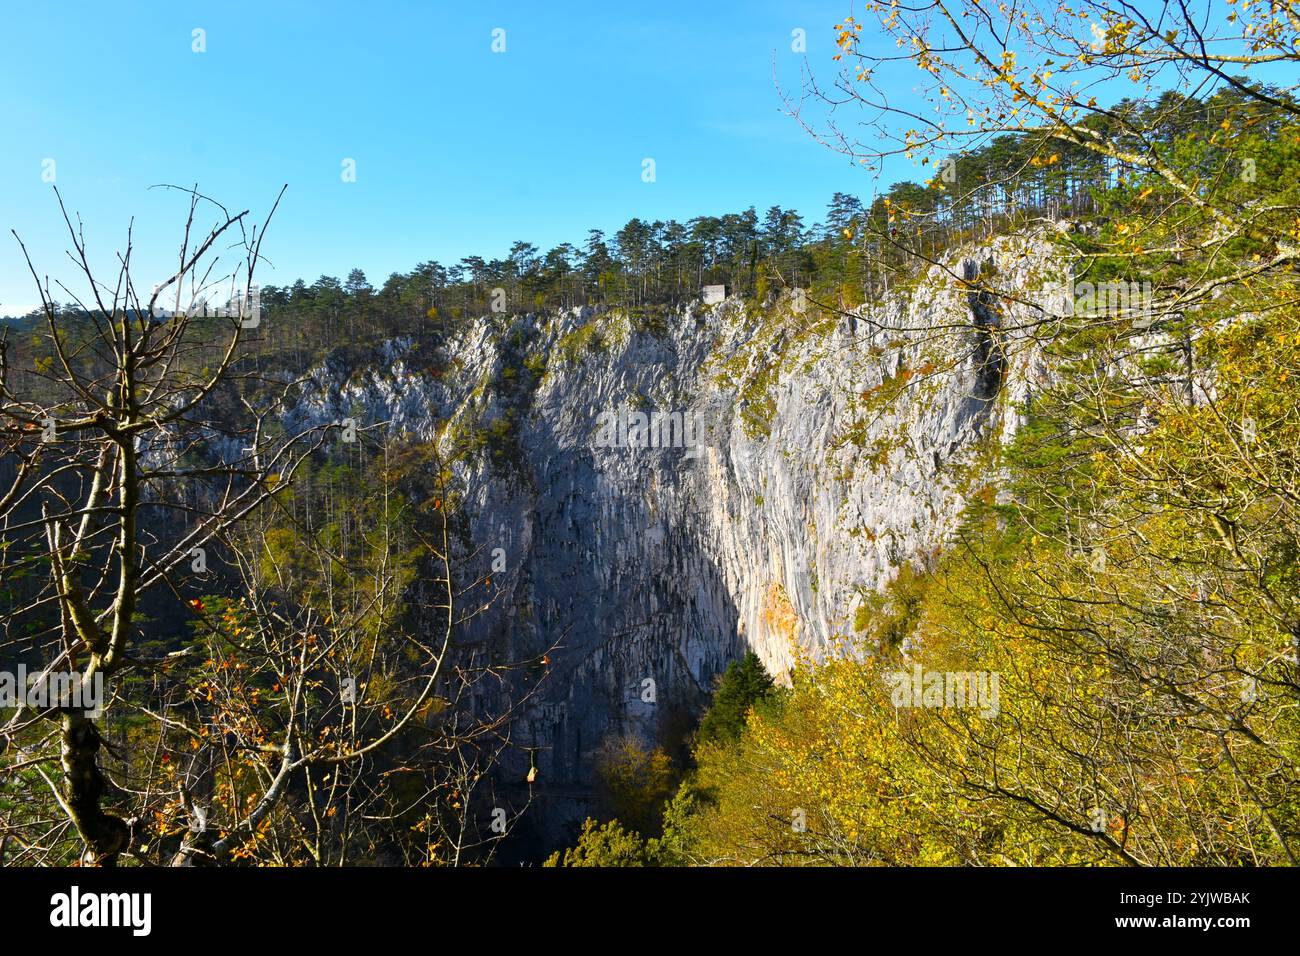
x=744, y=684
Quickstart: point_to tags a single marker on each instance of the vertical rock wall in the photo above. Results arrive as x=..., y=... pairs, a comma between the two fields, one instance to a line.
x=827, y=450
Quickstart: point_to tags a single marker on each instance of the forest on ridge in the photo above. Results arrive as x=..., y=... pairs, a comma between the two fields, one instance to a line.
x=276, y=606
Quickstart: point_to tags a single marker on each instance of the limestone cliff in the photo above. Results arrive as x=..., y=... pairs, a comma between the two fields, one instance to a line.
x=803, y=454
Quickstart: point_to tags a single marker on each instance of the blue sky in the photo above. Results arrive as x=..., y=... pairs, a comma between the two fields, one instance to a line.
x=458, y=150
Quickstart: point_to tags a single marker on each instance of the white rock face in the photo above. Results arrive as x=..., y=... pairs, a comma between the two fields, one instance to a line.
x=652, y=567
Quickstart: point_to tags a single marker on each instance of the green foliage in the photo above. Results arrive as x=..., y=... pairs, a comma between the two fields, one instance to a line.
x=610, y=844
x=744, y=684
x=606, y=844
x=636, y=780
x=574, y=346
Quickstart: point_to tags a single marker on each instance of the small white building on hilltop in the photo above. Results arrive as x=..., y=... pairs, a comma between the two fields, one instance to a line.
x=713, y=294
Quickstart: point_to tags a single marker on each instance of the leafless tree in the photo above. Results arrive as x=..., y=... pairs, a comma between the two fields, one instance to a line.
x=146, y=458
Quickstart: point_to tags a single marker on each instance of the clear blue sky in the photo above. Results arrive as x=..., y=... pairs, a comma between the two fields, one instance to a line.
x=458, y=150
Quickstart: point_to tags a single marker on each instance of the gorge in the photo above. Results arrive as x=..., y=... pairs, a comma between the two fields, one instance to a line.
x=649, y=568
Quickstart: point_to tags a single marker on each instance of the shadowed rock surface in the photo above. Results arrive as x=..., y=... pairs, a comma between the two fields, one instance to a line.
x=653, y=567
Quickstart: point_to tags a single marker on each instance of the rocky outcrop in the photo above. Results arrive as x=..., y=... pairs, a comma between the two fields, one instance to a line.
x=665, y=496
